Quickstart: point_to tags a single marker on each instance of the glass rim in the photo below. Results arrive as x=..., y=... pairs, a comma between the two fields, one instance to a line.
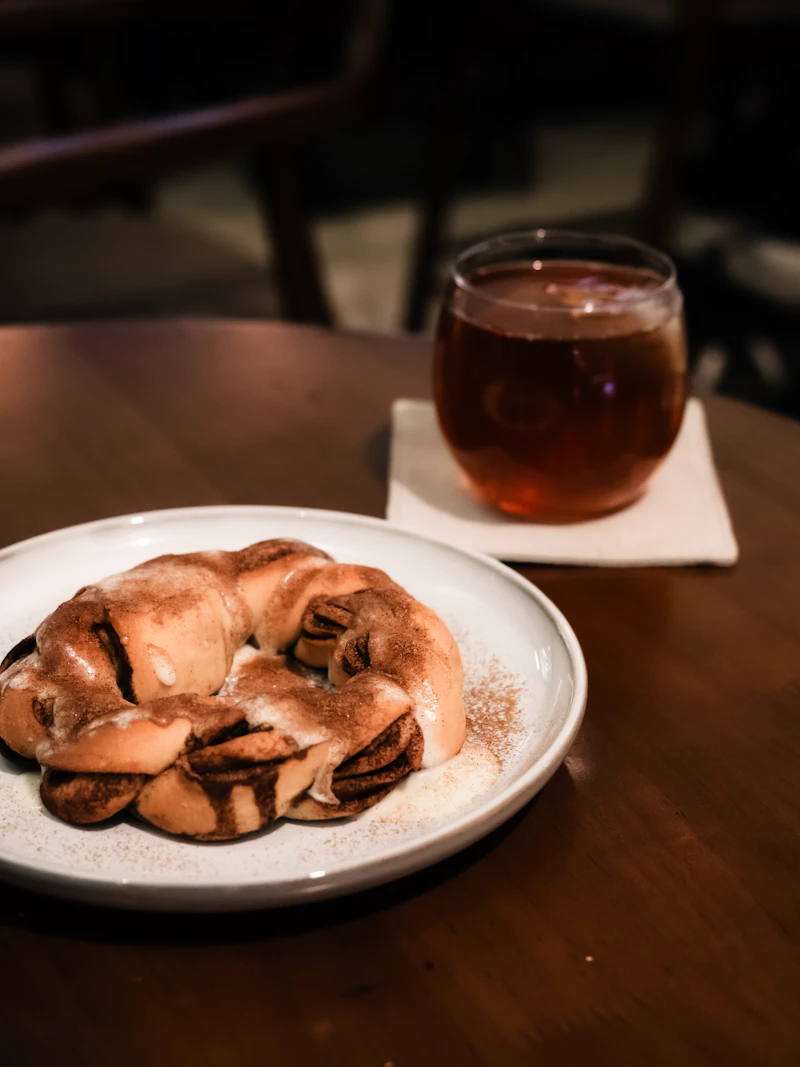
x=541, y=234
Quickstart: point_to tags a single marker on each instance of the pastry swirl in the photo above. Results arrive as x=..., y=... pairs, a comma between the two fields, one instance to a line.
x=168, y=688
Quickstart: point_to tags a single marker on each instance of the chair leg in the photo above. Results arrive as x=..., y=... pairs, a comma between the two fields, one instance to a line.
x=443, y=150
x=688, y=82
x=280, y=181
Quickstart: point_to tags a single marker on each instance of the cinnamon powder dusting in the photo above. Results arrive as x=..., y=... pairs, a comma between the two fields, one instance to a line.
x=492, y=701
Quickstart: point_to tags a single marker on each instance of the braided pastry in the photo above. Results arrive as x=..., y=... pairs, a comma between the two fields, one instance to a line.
x=168, y=688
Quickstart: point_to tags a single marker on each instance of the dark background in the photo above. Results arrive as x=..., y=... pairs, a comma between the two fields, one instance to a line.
x=455, y=110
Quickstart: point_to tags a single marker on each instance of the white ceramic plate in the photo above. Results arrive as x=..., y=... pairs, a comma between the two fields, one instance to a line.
x=525, y=693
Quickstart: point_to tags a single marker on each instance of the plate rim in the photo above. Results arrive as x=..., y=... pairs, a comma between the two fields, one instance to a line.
x=350, y=876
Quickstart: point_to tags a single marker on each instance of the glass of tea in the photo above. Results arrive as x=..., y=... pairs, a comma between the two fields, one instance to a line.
x=560, y=370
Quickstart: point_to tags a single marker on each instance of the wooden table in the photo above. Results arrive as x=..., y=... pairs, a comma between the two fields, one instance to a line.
x=643, y=910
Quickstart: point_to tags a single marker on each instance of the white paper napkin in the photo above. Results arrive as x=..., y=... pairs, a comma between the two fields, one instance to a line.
x=682, y=517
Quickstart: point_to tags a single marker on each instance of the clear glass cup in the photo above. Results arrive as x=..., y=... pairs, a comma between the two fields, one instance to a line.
x=560, y=370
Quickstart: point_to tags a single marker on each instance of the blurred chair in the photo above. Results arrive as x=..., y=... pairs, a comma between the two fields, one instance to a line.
x=686, y=40
x=124, y=152
x=519, y=31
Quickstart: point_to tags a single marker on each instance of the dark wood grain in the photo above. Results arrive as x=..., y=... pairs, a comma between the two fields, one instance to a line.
x=643, y=910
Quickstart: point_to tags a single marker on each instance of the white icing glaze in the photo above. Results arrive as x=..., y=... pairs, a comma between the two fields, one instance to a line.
x=430, y=721
x=21, y=673
x=282, y=713
x=163, y=666
x=124, y=718
x=439, y=712
x=291, y=716
x=244, y=654
x=441, y=791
